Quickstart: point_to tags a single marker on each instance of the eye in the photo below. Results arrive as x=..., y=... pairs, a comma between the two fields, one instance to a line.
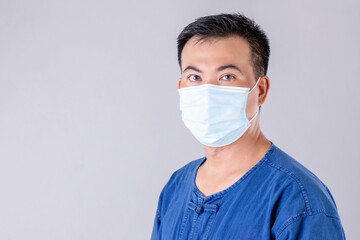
x=227, y=77
x=194, y=78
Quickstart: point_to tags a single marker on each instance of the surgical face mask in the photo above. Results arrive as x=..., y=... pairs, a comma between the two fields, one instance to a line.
x=215, y=114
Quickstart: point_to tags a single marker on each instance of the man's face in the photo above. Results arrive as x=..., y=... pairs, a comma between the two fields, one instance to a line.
x=219, y=61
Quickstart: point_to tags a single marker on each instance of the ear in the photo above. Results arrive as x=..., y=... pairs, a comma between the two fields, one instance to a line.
x=264, y=86
x=179, y=83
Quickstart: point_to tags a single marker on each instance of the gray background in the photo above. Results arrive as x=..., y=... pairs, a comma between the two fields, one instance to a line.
x=90, y=128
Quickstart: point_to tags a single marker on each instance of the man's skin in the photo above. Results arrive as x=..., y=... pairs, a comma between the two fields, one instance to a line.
x=200, y=63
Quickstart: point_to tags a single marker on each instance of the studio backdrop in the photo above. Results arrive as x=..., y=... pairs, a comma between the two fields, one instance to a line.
x=90, y=126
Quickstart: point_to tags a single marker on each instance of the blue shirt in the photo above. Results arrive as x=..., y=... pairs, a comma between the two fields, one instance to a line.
x=278, y=198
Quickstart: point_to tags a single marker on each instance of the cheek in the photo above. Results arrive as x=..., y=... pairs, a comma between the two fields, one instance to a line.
x=251, y=103
x=183, y=83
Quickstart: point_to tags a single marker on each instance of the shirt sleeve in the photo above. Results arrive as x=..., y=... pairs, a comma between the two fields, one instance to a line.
x=315, y=226
x=157, y=220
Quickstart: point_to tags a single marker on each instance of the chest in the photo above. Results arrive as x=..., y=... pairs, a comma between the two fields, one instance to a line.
x=231, y=217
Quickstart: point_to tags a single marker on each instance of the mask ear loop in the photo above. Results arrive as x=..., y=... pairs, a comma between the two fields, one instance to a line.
x=258, y=108
x=254, y=85
x=254, y=115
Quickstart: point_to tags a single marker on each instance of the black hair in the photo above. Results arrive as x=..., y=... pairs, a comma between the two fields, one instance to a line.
x=224, y=25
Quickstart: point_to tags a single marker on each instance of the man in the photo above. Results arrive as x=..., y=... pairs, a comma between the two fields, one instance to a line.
x=245, y=187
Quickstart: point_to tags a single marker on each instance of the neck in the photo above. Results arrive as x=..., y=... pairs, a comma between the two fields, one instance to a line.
x=240, y=155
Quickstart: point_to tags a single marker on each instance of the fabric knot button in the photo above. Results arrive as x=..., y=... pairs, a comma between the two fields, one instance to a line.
x=199, y=209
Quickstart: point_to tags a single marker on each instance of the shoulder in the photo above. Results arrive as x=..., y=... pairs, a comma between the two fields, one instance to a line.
x=184, y=173
x=181, y=179
x=314, y=193
x=300, y=194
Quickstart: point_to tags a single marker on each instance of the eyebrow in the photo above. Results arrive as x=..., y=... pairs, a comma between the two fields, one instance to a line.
x=221, y=68
x=192, y=68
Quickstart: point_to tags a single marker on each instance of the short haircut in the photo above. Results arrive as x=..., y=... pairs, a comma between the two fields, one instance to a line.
x=225, y=25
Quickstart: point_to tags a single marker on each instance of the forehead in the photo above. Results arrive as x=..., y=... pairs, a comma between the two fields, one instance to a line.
x=215, y=51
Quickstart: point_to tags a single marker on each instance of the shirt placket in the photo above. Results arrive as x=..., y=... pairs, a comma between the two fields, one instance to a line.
x=202, y=210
